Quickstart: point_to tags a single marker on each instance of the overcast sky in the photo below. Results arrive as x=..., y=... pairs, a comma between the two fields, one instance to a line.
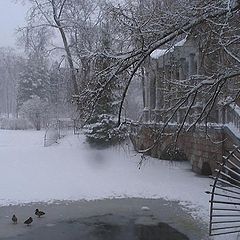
x=12, y=16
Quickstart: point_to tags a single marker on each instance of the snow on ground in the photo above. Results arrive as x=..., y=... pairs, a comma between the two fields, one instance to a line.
x=71, y=170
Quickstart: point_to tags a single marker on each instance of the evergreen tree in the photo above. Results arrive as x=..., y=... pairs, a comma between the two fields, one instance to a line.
x=101, y=129
x=33, y=80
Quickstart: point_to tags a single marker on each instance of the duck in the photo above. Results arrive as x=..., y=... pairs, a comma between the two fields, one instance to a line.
x=14, y=218
x=28, y=221
x=39, y=213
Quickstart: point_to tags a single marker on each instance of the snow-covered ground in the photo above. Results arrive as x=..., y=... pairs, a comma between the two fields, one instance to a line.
x=71, y=170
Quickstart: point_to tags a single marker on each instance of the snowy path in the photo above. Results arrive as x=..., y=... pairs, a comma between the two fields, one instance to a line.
x=72, y=170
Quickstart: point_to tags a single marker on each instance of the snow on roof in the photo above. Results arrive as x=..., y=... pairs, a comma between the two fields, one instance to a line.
x=181, y=42
x=160, y=52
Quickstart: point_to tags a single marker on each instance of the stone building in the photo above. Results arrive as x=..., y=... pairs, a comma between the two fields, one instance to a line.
x=181, y=61
x=167, y=72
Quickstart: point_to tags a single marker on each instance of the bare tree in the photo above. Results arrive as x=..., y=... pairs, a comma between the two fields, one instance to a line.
x=52, y=14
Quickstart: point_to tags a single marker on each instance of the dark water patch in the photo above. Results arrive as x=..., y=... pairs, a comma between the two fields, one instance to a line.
x=107, y=227
x=160, y=232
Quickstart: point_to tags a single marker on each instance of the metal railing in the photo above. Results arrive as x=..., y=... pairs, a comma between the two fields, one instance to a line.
x=56, y=130
x=232, y=116
x=225, y=196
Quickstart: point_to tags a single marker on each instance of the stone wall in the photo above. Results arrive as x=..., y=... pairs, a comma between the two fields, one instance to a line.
x=203, y=151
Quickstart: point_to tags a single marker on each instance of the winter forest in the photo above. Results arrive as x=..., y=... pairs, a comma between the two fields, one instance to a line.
x=157, y=79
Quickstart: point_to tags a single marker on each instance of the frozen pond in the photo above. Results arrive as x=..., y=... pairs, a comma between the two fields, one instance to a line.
x=102, y=220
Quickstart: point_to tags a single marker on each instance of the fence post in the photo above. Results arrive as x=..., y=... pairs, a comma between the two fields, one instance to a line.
x=74, y=126
x=59, y=128
x=44, y=140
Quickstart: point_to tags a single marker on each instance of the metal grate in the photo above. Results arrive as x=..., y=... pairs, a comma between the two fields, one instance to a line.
x=225, y=196
x=77, y=127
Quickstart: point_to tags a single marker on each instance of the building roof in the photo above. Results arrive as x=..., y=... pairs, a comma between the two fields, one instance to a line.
x=156, y=54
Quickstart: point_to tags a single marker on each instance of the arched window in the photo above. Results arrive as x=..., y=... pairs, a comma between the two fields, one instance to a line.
x=206, y=169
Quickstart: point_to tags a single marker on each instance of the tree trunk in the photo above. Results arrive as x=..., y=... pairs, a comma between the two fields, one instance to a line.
x=66, y=46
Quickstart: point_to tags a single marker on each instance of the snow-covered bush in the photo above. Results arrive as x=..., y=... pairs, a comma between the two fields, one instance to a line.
x=36, y=111
x=15, y=123
x=102, y=131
